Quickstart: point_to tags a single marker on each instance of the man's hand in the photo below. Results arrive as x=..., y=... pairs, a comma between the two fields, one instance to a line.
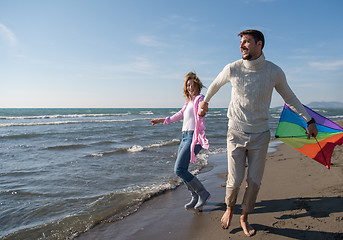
x=312, y=130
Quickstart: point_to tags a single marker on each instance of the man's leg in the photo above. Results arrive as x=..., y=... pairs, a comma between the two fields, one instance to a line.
x=247, y=229
x=227, y=217
x=257, y=152
x=236, y=143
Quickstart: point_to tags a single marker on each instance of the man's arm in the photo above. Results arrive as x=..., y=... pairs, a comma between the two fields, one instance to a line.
x=293, y=102
x=221, y=80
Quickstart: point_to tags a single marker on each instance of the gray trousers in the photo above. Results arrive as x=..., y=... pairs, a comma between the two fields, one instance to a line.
x=245, y=148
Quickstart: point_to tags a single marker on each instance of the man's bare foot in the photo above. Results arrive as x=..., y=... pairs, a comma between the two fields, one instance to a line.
x=247, y=229
x=226, y=219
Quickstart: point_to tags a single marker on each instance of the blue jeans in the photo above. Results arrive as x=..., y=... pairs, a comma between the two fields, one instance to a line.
x=184, y=157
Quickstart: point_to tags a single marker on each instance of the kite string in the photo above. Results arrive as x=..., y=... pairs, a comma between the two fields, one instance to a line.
x=321, y=151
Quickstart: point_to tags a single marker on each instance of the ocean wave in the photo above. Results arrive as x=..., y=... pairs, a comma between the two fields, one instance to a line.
x=36, y=123
x=146, y=113
x=20, y=136
x=104, y=208
x=217, y=151
x=88, y=211
x=109, y=207
x=21, y=173
x=69, y=122
x=138, y=148
x=107, y=142
x=63, y=116
x=21, y=194
x=65, y=147
x=337, y=117
x=135, y=148
x=275, y=115
x=216, y=113
x=97, y=155
x=164, y=143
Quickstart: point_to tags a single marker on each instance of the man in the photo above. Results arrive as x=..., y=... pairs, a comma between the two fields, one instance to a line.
x=253, y=80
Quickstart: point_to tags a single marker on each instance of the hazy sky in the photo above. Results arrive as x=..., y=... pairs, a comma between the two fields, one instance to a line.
x=135, y=53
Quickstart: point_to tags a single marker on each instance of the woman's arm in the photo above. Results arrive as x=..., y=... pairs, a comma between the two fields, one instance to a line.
x=157, y=120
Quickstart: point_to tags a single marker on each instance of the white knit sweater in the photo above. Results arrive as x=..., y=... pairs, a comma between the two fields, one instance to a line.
x=252, y=86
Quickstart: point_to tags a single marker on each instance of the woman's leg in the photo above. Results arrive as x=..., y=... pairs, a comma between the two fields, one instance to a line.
x=181, y=170
x=183, y=158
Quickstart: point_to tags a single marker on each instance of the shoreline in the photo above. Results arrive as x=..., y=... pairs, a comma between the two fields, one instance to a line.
x=299, y=199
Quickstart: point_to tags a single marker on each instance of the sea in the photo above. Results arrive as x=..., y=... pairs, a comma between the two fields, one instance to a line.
x=63, y=171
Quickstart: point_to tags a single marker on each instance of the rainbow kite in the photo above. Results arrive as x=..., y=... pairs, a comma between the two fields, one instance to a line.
x=292, y=131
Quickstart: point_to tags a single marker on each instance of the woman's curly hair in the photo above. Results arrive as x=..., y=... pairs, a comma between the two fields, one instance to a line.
x=196, y=81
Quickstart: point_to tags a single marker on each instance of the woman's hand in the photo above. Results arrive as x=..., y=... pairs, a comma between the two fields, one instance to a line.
x=157, y=120
x=201, y=113
x=204, y=106
x=203, y=109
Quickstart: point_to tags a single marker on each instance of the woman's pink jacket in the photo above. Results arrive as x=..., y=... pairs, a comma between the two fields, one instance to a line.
x=199, y=136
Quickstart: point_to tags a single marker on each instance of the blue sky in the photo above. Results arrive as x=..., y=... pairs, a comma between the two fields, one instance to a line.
x=135, y=53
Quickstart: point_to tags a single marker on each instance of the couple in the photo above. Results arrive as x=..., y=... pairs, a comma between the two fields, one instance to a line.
x=253, y=80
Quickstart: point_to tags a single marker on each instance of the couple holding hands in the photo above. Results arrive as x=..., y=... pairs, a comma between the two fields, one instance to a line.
x=253, y=79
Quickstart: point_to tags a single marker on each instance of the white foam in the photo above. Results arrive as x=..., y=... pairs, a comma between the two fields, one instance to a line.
x=135, y=148
x=69, y=122
x=163, y=143
x=62, y=116
x=146, y=113
x=97, y=154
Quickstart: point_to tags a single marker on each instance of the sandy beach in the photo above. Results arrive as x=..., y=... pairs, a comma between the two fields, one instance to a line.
x=299, y=199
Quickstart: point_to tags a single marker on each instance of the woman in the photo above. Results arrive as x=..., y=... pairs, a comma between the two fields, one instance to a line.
x=193, y=139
